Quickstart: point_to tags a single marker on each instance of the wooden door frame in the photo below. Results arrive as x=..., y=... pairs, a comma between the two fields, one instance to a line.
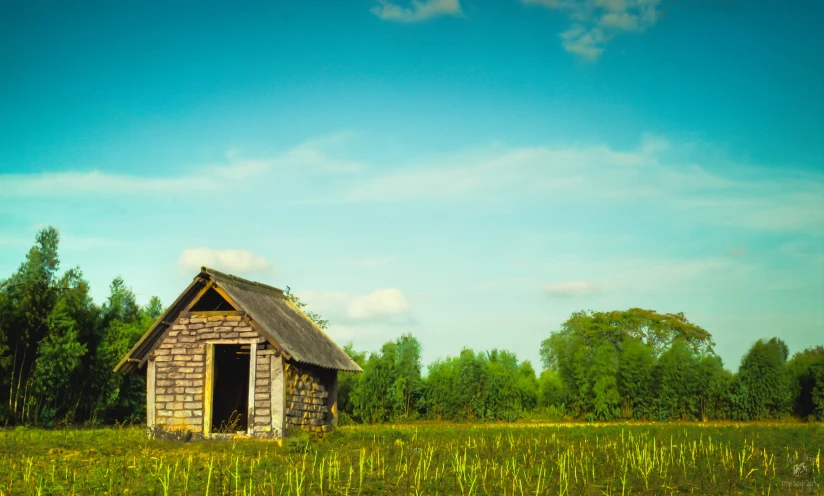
x=208, y=382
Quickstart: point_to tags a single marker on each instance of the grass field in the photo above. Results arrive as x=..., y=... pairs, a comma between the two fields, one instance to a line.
x=499, y=459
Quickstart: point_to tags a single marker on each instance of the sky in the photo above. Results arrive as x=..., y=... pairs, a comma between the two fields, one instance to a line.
x=471, y=172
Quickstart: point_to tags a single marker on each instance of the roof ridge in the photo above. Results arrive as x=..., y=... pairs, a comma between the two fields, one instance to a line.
x=231, y=277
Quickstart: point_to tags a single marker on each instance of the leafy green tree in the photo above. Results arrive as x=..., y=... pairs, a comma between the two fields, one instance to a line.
x=409, y=385
x=806, y=372
x=500, y=396
x=602, y=378
x=658, y=331
x=348, y=381
x=154, y=309
x=675, y=374
x=29, y=297
x=568, y=355
x=123, y=323
x=550, y=390
x=636, y=363
x=390, y=387
x=373, y=400
x=58, y=357
x=586, y=354
x=712, y=388
x=440, y=399
x=527, y=386
x=764, y=381
x=469, y=388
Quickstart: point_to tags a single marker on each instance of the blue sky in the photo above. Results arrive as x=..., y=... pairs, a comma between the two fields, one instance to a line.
x=470, y=172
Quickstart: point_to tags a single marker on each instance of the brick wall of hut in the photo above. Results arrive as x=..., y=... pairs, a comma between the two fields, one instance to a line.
x=261, y=418
x=180, y=372
x=307, y=393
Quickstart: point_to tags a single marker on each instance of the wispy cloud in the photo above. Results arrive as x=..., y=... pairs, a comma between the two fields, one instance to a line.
x=82, y=243
x=653, y=174
x=657, y=173
x=370, y=262
x=570, y=289
x=738, y=251
x=228, y=260
x=596, y=22
x=418, y=10
x=308, y=159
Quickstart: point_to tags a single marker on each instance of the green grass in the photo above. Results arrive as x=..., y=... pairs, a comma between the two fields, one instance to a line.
x=499, y=459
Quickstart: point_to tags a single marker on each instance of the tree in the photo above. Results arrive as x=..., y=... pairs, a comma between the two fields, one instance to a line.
x=372, y=400
x=348, y=381
x=764, y=381
x=806, y=375
x=675, y=381
x=409, y=385
x=123, y=322
x=636, y=363
x=59, y=354
x=712, y=388
x=501, y=398
x=658, y=331
x=586, y=353
x=602, y=377
x=527, y=386
x=29, y=297
x=440, y=399
x=550, y=390
x=154, y=309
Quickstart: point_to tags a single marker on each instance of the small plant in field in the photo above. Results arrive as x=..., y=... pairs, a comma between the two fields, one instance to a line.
x=230, y=425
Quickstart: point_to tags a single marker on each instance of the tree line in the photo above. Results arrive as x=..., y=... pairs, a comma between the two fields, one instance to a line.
x=58, y=349
x=591, y=374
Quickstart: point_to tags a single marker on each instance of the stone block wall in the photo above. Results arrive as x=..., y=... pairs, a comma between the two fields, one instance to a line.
x=180, y=371
x=298, y=395
x=261, y=418
x=306, y=398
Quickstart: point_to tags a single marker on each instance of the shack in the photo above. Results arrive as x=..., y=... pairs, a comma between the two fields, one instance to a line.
x=236, y=356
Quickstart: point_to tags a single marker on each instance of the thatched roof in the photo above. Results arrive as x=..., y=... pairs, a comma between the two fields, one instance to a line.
x=277, y=317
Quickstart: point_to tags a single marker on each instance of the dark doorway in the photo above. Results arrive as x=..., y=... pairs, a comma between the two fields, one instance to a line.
x=231, y=388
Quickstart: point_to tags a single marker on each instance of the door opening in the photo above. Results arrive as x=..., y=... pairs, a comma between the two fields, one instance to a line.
x=230, y=394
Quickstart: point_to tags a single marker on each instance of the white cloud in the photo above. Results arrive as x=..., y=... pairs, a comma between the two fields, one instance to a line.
x=584, y=42
x=378, y=303
x=420, y=10
x=570, y=289
x=228, y=260
x=342, y=333
x=371, y=319
x=599, y=21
